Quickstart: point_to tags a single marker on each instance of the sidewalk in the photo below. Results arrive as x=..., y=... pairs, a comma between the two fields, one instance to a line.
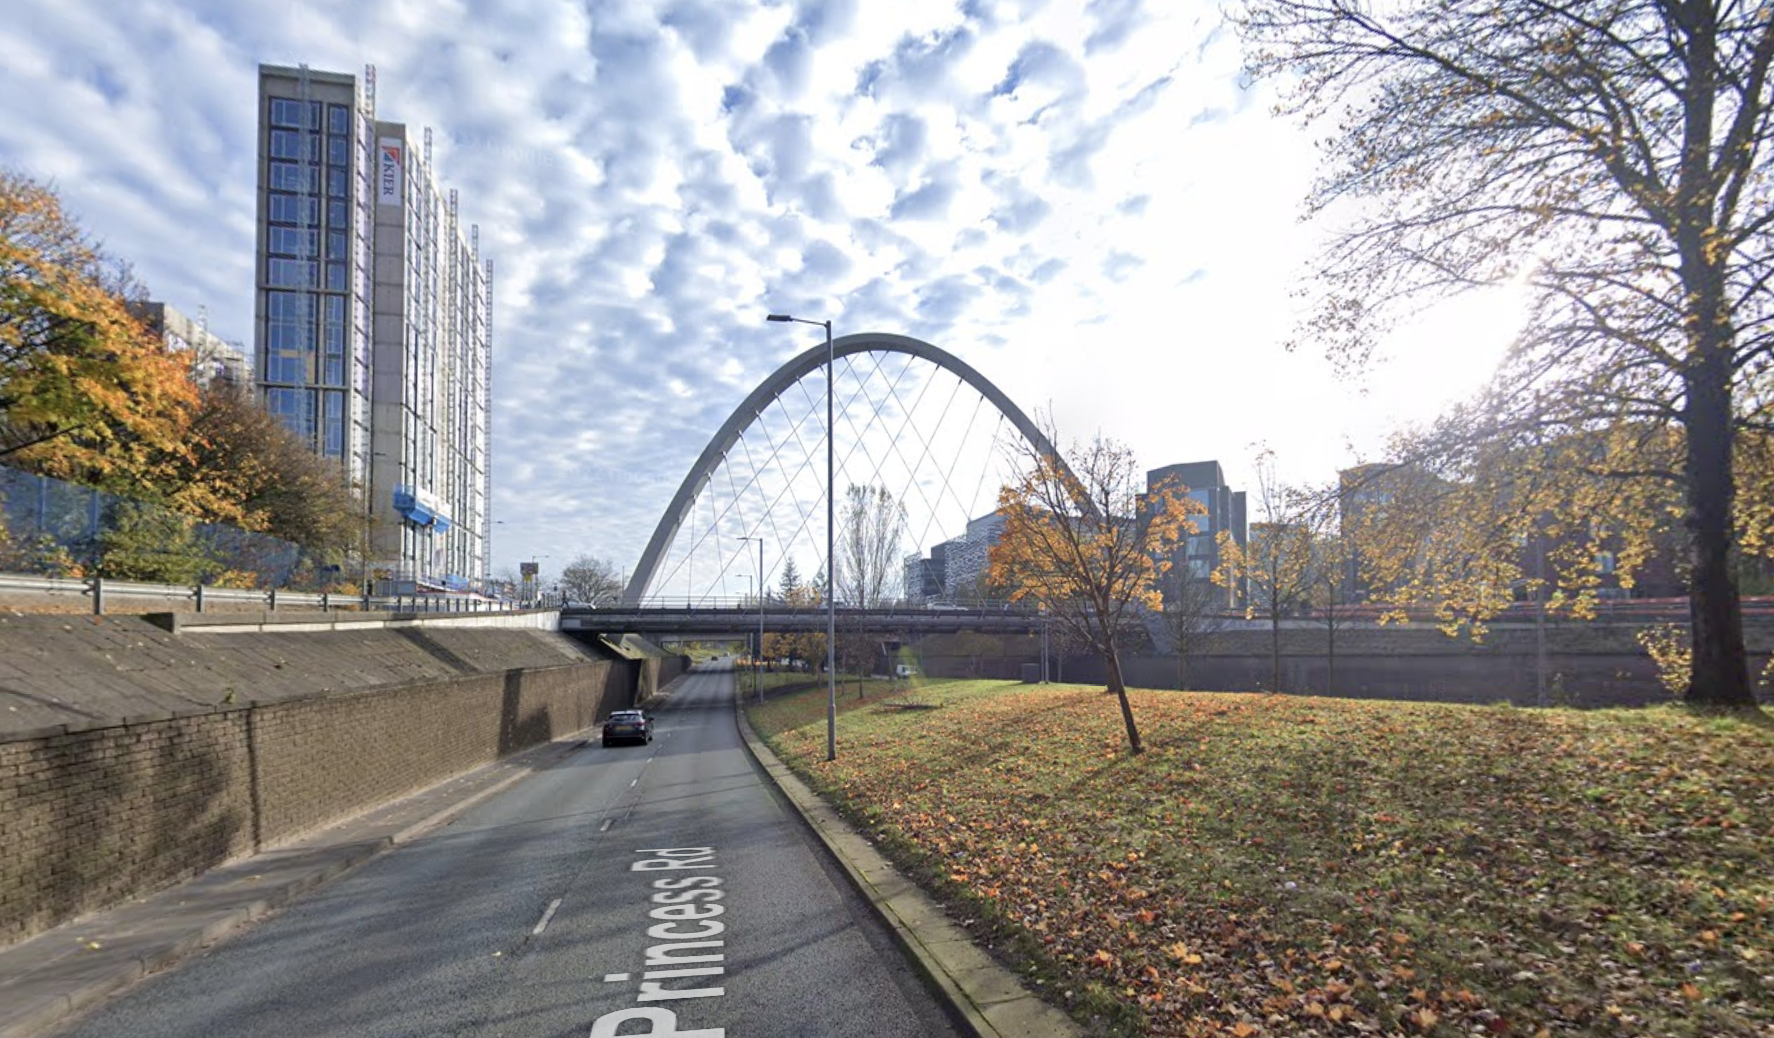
x=988, y=998
x=50, y=977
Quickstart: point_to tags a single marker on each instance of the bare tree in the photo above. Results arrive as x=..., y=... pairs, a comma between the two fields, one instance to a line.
x=1194, y=611
x=870, y=531
x=1613, y=155
x=591, y=581
x=1274, y=566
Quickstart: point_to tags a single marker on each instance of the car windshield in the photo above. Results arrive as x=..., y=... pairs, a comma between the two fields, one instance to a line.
x=626, y=715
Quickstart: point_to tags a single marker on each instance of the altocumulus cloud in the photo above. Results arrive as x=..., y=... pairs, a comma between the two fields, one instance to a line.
x=650, y=179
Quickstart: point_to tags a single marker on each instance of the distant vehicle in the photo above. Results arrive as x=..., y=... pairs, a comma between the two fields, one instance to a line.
x=905, y=670
x=628, y=726
x=946, y=607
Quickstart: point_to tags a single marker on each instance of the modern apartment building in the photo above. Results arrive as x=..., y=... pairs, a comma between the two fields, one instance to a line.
x=372, y=323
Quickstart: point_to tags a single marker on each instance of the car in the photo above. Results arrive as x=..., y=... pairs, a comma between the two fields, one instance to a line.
x=905, y=670
x=628, y=726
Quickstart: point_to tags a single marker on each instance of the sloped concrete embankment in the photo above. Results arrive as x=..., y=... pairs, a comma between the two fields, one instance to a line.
x=132, y=758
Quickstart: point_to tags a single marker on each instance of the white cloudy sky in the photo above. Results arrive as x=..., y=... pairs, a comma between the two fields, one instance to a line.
x=1081, y=198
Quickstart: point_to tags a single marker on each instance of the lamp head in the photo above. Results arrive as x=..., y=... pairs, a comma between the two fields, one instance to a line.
x=779, y=317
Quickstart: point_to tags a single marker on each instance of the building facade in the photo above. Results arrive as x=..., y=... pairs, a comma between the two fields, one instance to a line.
x=373, y=321
x=1224, y=510
x=211, y=356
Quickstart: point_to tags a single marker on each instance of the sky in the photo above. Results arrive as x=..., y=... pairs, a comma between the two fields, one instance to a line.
x=1085, y=200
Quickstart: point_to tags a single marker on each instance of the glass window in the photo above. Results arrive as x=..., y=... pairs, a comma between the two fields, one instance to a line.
x=284, y=306
x=335, y=371
x=284, y=337
x=314, y=111
x=337, y=245
x=286, y=144
x=286, y=176
x=288, y=241
x=337, y=214
x=286, y=112
x=289, y=273
x=335, y=277
x=335, y=183
x=335, y=308
x=338, y=151
x=338, y=119
x=289, y=368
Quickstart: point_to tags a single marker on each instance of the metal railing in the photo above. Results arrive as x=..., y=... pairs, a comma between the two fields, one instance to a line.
x=105, y=593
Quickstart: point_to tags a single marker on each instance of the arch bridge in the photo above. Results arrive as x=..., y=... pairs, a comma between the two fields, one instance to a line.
x=751, y=499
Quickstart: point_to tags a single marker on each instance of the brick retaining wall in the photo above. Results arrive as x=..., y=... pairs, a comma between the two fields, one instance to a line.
x=90, y=816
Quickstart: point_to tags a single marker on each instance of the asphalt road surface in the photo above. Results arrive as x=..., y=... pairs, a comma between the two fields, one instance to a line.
x=662, y=889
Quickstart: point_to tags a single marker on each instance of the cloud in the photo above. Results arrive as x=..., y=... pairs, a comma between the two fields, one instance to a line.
x=1002, y=178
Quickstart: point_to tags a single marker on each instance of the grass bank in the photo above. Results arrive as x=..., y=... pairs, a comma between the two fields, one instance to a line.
x=1290, y=865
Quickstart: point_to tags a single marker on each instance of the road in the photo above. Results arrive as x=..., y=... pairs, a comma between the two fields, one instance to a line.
x=631, y=890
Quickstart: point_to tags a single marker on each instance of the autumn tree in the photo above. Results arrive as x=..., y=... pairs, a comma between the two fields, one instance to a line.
x=1611, y=156
x=592, y=582
x=1088, y=542
x=871, y=527
x=246, y=467
x=807, y=647
x=1274, y=566
x=87, y=394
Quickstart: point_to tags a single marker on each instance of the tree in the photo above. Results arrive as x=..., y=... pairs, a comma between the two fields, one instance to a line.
x=1088, y=542
x=246, y=467
x=87, y=394
x=1193, y=612
x=1614, y=157
x=870, y=530
x=592, y=582
x=150, y=543
x=1329, y=588
x=807, y=647
x=791, y=578
x=1274, y=566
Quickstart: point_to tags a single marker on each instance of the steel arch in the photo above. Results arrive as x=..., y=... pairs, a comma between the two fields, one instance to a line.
x=771, y=388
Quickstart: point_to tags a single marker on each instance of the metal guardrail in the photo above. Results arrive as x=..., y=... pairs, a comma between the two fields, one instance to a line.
x=200, y=597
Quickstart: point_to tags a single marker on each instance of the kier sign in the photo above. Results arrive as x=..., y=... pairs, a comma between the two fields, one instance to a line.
x=388, y=174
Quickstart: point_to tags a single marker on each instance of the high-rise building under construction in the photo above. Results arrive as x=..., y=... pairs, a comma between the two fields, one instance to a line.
x=372, y=321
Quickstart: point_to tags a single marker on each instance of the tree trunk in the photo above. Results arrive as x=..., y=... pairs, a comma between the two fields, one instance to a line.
x=1119, y=687
x=1330, y=658
x=1275, y=650
x=1718, y=674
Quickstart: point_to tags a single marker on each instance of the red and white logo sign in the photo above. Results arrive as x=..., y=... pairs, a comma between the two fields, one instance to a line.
x=388, y=174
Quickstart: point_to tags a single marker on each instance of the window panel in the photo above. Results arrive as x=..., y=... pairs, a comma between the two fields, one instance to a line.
x=286, y=112
x=335, y=277
x=289, y=273
x=336, y=183
x=286, y=144
x=338, y=119
x=284, y=306
x=338, y=214
x=338, y=151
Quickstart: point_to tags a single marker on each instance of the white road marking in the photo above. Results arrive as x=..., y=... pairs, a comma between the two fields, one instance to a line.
x=634, y=783
x=546, y=916
x=606, y=826
x=612, y=977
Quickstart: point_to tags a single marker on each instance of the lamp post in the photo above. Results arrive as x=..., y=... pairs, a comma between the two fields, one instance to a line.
x=757, y=659
x=831, y=537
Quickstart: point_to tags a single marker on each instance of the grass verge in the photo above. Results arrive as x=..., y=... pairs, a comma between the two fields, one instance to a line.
x=1291, y=865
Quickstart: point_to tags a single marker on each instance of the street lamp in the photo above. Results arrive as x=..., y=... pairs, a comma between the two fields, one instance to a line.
x=831, y=553
x=757, y=660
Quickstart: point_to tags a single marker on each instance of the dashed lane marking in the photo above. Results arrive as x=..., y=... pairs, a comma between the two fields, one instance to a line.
x=553, y=906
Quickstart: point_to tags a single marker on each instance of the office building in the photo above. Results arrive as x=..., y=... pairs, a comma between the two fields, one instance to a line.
x=372, y=323
x=1223, y=510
